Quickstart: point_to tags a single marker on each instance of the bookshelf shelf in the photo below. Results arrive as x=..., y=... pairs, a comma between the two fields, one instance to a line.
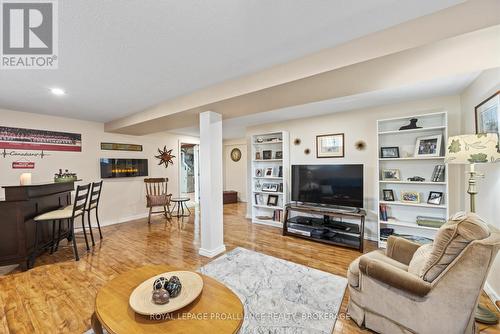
x=403, y=215
x=274, y=142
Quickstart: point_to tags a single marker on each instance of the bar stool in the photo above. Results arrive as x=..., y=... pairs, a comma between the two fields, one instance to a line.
x=93, y=204
x=69, y=213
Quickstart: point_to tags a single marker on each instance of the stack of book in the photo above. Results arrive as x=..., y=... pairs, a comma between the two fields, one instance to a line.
x=438, y=174
x=430, y=221
x=383, y=213
x=277, y=215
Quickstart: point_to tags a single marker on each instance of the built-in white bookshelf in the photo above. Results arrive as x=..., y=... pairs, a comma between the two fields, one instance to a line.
x=269, y=174
x=402, y=215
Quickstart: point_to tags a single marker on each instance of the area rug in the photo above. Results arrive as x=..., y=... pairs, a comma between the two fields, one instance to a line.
x=279, y=296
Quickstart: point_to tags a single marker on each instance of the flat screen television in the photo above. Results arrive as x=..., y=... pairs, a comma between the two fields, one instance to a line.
x=335, y=185
x=111, y=168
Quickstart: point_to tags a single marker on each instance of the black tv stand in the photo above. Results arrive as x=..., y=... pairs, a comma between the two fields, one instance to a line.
x=336, y=227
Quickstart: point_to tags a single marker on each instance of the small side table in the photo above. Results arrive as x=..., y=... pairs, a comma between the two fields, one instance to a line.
x=180, y=202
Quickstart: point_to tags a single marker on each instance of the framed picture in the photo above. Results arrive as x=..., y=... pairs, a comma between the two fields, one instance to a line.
x=435, y=197
x=388, y=195
x=429, y=146
x=488, y=115
x=121, y=147
x=272, y=187
x=258, y=172
x=258, y=199
x=391, y=175
x=269, y=172
x=330, y=146
x=278, y=155
x=267, y=154
x=39, y=140
x=389, y=152
x=272, y=200
x=410, y=197
x=257, y=156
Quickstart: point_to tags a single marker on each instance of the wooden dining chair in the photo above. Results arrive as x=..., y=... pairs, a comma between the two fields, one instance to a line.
x=93, y=204
x=156, y=196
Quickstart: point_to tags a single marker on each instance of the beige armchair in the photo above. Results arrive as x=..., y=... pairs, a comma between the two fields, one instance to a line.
x=432, y=288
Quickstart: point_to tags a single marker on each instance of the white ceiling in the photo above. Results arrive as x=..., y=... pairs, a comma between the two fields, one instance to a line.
x=236, y=127
x=119, y=57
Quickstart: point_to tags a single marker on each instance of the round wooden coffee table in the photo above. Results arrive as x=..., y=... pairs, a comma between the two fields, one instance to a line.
x=216, y=310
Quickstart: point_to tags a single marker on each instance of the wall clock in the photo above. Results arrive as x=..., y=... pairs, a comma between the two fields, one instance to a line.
x=235, y=154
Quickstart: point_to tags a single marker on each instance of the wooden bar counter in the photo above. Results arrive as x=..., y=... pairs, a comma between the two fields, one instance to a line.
x=21, y=205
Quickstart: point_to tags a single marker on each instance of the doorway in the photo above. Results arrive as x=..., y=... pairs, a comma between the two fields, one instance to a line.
x=189, y=172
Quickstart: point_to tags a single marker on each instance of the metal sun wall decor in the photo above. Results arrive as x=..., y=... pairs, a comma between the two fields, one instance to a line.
x=165, y=156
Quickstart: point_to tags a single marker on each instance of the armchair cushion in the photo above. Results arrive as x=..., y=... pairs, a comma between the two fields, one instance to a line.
x=158, y=200
x=353, y=272
x=395, y=277
x=450, y=241
x=419, y=259
x=401, y=249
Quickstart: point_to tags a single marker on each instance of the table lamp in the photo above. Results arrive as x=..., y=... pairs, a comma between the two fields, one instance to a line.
x=471, y=150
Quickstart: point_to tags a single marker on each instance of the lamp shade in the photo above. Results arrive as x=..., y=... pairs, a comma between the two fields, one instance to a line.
x=474, y=148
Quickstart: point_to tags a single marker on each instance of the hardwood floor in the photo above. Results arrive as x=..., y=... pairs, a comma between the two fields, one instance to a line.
x=57, y=296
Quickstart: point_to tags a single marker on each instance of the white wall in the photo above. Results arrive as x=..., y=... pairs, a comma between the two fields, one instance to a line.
x=489, y=188
x=235, y=173
x=361, y=125
x=122, y=199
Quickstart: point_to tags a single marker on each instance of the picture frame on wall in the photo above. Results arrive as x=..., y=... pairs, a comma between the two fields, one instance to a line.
x=389, y=152
x=487, y=115
x=330, y=146
x=121, y=147
x=429, y=146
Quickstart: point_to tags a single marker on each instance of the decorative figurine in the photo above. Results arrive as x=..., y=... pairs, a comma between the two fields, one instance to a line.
x=412, y=125
x=416, y=179
x=161, y=296
x=174, y=286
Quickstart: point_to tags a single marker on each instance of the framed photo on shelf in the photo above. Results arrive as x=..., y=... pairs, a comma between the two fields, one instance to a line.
x=269, y=172
x=389, y=152
x=258, y=172
x=410, y=197
x=258, y=199
x=258, y=156
x=388, y=195
x=435, y=198
x=271, y=187
x=330, y=146
x=429, y=146
x=488, y=115
x=391, y=175
x=267, y=154
x=278, y=155
x=272, y=200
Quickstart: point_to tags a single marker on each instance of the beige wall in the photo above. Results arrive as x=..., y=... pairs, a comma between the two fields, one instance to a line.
x=235, y=173
x=122, y=199
x=489, y=187
x=361, y=125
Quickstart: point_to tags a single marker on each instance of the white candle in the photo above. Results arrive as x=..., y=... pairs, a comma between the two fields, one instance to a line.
x=25, y=179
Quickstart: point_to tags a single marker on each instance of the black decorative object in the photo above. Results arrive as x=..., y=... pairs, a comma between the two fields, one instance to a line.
x=297, y=141
x=416, y=179
x=412, y=125
x=165, y=156
x=160, y=283
x=174, y=287
x=160, y=296
x=307, y=151
x=360, y=145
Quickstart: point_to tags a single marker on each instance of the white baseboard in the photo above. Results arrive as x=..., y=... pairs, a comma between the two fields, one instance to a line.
x=212, y=252
x=124, y=219
x=494, y=296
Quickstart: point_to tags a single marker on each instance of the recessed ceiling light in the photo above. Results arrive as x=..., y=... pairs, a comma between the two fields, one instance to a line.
x=57, y=91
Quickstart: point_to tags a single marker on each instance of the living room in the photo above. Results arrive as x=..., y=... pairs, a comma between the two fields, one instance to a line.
x=256, y=179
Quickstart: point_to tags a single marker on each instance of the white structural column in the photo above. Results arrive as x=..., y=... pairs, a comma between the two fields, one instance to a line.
x=212, y=229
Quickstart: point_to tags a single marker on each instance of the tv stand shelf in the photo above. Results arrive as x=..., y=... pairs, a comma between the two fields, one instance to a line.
x=330, y=229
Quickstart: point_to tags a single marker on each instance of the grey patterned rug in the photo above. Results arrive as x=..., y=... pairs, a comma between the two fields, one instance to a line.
x=279, y=296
